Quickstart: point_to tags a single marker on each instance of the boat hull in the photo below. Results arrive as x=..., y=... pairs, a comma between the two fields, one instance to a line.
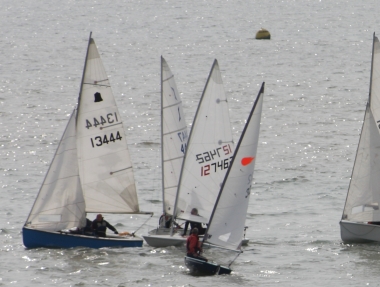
x=161, y=238
x=200, y=267
x=164, y=240
x=359, y=232
x=38, y=238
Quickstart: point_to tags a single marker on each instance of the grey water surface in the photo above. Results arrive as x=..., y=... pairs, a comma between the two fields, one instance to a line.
x=316, y=68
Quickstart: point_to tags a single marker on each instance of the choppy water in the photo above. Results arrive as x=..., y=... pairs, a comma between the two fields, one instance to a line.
x=316, y=69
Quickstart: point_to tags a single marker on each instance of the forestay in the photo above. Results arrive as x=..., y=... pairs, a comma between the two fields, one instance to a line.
x=363, y=198
x=209, y=151
x=174, y=136
x=226, y=225
x=60, y=203
x=104, y=162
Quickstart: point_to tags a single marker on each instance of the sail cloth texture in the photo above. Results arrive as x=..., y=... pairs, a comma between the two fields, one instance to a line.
x=226, y=226
x=174, y=136
x=60, y=203
x=208, y=154
x=363, y=197
x=104, y=162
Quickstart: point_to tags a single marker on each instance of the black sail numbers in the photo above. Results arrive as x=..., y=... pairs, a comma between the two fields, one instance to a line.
x=101, y=122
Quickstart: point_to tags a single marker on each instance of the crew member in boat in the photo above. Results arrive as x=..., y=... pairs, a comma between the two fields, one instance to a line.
x=198, y=225
x=166, y=220
x=99, y=225
x=193, y=245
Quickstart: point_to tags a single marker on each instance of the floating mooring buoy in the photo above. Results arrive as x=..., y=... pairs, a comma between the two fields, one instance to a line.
x=263, y=34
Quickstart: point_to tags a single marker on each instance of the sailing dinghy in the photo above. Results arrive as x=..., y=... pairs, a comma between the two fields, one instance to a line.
x=226, y=225
x=209, y=151
x=361, y=215
x=173, y=142
x=91, y=171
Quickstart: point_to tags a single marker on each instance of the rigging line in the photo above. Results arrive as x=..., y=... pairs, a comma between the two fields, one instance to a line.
x=179, y=130
x=172, y=76
x=110, y=126
x=151, y=215
x=112, y=172
x=235, y=258
x=176, y=104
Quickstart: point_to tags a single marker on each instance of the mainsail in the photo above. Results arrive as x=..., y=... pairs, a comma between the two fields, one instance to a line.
x=209, y=151
x=363, y=197
x=105, y=166
x=173, y=138
x=60, y=203
x=226, y=225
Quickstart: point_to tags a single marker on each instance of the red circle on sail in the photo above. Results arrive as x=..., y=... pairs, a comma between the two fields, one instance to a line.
x=247, y=160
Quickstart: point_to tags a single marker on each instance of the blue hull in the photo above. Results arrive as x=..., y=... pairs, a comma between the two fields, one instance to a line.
x=37, y=238
x=200, y=267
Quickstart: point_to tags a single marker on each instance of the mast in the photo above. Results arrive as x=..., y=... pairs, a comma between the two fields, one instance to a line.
x=162, y=140
x=84, y=71
x=370, y=79
x=261, y=92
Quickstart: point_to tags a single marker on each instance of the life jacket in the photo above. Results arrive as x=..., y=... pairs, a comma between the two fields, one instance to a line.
x=101, y=227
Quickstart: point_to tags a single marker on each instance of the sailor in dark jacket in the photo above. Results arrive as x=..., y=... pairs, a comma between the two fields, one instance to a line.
x=99, y=225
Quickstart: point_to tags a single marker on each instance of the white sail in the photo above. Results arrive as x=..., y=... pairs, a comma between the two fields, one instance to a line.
x=60, y=203
x=209, y=151
x=375, y=82
x=105, y=166
x=227, y=223
x=174, y=137
x=363, y=197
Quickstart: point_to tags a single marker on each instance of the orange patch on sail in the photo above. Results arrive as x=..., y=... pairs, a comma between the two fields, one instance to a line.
x=247, y=160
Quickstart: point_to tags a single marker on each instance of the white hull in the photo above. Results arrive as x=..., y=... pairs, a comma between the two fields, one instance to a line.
x=155, y=240
x=359, y=232
x=160, y=237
